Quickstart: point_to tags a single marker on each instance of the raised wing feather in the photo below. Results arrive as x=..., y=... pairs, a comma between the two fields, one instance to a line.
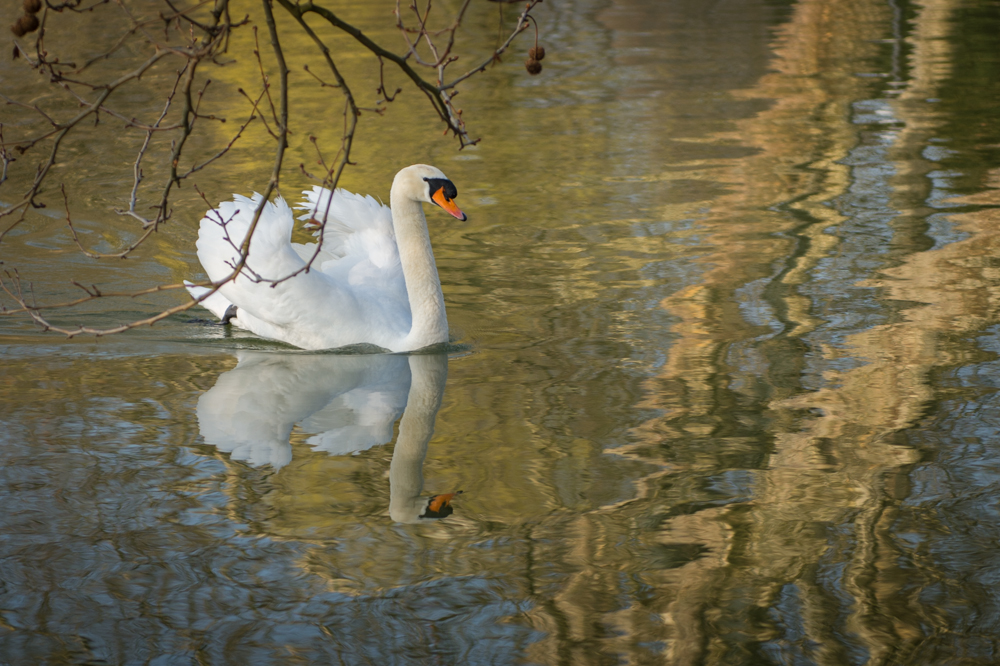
x=359, y=244
x=353, y=292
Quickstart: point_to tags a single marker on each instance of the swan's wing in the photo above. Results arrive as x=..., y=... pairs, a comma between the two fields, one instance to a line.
x=352, y=401
x=345, y=214
x=359, y=296
x=223, y=230
x=247, y=412
x=308, y=301
x=359, y=244
x=360, y=418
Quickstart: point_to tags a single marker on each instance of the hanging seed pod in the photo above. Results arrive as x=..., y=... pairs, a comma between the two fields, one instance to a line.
x=22, y=25
x=27, y=23
x=32, y=6
x=535, y=53
x=533, y=66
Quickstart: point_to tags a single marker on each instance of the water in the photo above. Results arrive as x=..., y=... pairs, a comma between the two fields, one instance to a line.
x=722, y=388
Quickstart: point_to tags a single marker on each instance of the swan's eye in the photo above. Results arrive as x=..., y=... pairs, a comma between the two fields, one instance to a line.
x=444, y=186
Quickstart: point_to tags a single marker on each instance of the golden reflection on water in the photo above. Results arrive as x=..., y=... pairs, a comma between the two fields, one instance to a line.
x=721, y=391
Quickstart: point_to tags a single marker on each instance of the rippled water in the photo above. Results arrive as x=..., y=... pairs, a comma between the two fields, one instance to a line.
x=722, y=390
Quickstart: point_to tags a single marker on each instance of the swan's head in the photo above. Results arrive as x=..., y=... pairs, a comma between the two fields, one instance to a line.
x=419, y=509
x=423, y=182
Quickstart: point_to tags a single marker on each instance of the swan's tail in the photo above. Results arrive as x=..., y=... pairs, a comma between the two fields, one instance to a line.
x=216, y=303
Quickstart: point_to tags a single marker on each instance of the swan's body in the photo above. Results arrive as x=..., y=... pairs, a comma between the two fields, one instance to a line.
x=374, y=280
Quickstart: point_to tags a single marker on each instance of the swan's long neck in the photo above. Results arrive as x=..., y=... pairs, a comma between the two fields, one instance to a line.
x=428, y=374
x=423, y=286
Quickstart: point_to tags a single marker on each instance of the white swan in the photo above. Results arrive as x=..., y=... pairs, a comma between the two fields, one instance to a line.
x=374, y=280
x=347, y=403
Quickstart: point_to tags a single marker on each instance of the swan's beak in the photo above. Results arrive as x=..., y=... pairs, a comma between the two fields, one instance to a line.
x=439, y=506
x=441, y=200
x=439, y=501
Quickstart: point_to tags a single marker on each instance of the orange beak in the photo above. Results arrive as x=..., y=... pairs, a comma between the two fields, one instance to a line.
x=441, y=200
x=439, y=501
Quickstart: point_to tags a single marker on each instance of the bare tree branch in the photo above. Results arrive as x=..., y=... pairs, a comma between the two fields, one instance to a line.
x=192, y=38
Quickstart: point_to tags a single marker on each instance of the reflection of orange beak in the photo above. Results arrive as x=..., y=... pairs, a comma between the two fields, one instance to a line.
x=441, y=200
x=439, y=501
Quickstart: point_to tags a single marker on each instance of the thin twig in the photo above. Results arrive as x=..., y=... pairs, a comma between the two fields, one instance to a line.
x=194, y=42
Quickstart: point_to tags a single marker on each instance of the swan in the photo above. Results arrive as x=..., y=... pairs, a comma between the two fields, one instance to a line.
x=374, y=280
x=346, y=403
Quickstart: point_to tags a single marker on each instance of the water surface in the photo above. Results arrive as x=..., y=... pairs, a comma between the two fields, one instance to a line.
x=722, y=388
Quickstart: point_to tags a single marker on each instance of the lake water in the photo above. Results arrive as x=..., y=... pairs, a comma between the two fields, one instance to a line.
x=722, y=387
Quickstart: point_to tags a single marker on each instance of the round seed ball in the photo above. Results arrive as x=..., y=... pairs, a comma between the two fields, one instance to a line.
x=22, y=26
x=29, y=22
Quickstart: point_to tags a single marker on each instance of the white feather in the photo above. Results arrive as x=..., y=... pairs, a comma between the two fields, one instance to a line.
x=353, y=291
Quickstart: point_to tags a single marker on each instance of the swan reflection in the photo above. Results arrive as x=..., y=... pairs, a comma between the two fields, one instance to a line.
x=347, y=404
